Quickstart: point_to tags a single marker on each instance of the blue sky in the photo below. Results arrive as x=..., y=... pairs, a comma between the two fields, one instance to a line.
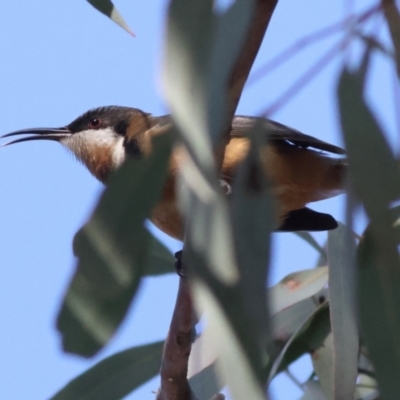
x=59, y=59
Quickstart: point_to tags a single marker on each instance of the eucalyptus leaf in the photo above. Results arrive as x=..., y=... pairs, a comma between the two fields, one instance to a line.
x=380, y=315
x=113, y=253
x=194, y=70
x=288, y=321
x=116, y=376
x=252, y=210
x=190, y=32
x=205, y=384
x=376, y=185
x=161, y=261
x=313, y=391
x=342, y=300
x=323, y=363
x=201, y=49
x=365, y=141
x=107, y=8
x=233, y=362
x=308, y=338
x=296, y=287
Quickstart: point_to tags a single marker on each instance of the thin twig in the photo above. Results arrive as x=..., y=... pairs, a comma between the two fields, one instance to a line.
x=303, y=80
x=308, y=40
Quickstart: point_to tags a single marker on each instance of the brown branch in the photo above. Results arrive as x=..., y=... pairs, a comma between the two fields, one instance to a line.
x=174, y=366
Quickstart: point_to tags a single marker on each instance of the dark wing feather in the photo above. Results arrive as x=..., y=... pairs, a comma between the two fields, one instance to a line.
x=280, y=132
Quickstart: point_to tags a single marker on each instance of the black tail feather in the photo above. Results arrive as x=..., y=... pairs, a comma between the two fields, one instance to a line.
x=307, y=220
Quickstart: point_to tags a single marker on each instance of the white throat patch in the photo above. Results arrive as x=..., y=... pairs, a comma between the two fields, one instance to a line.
x=86, y=144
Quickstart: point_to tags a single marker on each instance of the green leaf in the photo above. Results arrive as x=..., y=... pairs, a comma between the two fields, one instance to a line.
x=342, y=300
x=192, y=71
x=308, y=338
x=252, y=210
x=205, y=383
x=288, y=321
x=376, y=184
x=323, y=363
x=107, y=8
x=161, y=261
x=190, y=31
x=379, y=300
x=313, y=391
x=116, y=376
x=201, y=50
x=113, y=253
x=233, y=363
x=236, y=299
x=203, y=378
x=296, y=287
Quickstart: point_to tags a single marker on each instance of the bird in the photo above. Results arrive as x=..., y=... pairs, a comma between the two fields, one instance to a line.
x=301, y=168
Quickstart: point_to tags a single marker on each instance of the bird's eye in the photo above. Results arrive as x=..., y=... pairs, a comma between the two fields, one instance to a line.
x=94, y=123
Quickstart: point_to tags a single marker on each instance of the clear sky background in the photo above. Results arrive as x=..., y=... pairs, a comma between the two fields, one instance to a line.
x=59, y=59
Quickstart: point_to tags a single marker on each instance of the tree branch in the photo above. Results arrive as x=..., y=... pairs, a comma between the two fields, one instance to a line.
x=174, y=366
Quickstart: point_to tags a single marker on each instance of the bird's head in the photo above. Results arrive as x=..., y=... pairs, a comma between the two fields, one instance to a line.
x=100, y=138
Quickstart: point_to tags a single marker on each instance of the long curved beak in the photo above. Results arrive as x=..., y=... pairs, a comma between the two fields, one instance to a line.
x=38, y=134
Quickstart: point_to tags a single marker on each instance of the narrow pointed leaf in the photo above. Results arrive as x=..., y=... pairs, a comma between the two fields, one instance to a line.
x=296, y=287
x=323, y=363
x=205, y=384
x=253, y=211
x=113, y=254
x=203, y=378
x=116, y=376
x=376, y=184
x=190, y=71
x=161, y=261
x=288, y=321
x=343, y=308
x=380, y=314
x=233, y=363
x=201, y=50
x=107, y=8
x=308, y=338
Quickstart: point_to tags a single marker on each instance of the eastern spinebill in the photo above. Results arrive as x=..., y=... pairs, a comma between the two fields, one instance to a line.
x=297, y=165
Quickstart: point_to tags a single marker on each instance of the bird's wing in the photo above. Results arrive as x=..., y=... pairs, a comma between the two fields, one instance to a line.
x=282, y=133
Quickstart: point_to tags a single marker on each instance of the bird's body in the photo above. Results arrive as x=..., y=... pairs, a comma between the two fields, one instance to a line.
x=297, y=165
